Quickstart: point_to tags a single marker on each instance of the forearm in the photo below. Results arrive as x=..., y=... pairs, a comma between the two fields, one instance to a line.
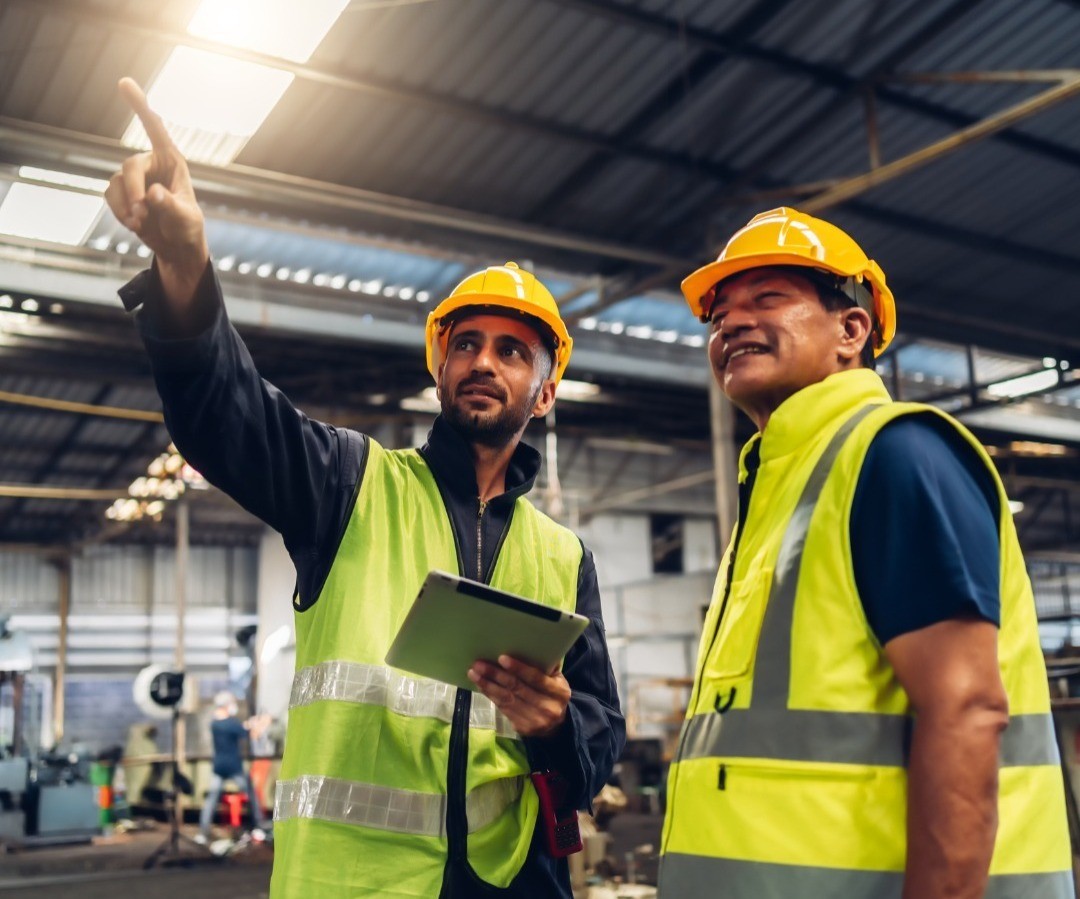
x=952, y=804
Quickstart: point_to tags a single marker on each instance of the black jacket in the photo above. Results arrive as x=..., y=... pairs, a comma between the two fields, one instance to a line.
x=300, y=477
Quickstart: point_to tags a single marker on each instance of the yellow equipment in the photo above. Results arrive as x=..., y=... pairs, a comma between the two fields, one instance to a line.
x=506, y=287
x=785, y=236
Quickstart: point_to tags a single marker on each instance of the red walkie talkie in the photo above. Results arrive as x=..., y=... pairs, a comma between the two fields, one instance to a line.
x=560, y=823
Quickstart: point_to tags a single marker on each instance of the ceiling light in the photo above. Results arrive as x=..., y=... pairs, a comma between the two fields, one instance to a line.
x=1015, y=506
x=338, y=282
x=283, y=273
x=49, y=213
x=589, y=324
x=142, y=251
x=123, y=247
x=1025, y=384
x=211, y=104
x=100, y=243
x=63, y=179
x=244, y=268
x=1035, y=448
x=614, y=327
x=6, y=302
x=427, y=400
x=372, y=287
x=406, y=293
x=226, y=264
x=618, y=444
x=1049, y=362
x=282, y=28
x=265, y=270
x=355, y=285
x=29, y=305
x=423, y=296
x=56, y=308
x=302, y=276
x=577, y=390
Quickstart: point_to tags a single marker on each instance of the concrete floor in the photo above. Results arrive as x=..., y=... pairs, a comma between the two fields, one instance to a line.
x=113, y=867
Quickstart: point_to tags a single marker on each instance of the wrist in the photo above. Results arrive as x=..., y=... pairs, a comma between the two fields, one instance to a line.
x=181, y=272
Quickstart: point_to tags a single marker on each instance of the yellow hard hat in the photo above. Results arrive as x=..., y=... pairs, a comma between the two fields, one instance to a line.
x=786, y=236
x=507, y=287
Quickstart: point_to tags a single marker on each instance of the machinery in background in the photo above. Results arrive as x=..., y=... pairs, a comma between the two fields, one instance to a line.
x=45, y=797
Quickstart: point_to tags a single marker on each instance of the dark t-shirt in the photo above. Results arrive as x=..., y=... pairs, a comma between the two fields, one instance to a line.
x=228, y=734
x=924, y=529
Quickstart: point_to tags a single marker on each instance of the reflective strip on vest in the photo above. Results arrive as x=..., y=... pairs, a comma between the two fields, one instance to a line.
x=384, y=808
x=852, y=738
x=415, y=697
x=695, y=875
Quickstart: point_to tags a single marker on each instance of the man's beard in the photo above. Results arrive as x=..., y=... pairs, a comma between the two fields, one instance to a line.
x=494, y=431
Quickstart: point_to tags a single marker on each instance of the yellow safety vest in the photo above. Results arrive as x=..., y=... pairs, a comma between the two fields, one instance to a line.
x=790, y=779
x=361, y=805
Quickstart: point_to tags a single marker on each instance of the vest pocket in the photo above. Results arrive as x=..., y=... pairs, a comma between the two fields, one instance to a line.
x=747, y=772
x=732, y=652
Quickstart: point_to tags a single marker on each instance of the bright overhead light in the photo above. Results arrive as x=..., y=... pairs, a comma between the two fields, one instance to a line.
x=211, y=104
x=49, y=213
x=427, y=400
x=1015, y=506
x=577, y=390
x=282, y=28
x=1025, y=384
x=1036, y=448
x=62, y=179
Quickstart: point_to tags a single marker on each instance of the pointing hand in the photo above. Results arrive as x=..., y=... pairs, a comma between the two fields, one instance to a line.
x=152, y=195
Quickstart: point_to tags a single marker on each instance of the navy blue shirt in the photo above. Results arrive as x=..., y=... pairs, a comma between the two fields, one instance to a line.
x=228, y=735
x=924, y=529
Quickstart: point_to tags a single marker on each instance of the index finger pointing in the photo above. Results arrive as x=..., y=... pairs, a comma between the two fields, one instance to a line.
x=151, y=121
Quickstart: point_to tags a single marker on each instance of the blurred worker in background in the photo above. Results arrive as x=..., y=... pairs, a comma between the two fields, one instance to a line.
x=871, y=714
x=229, y=735
x=391, y=785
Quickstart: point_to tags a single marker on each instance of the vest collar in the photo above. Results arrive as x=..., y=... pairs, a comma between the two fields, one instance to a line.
x=809, y=411
x=449, y=457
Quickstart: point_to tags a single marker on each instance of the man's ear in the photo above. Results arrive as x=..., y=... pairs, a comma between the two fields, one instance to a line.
x=855, y=324
x=438, y=380
x=545, y=399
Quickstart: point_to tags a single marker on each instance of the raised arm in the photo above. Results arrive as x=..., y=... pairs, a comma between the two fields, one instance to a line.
x=152, y=195
x=238, y=430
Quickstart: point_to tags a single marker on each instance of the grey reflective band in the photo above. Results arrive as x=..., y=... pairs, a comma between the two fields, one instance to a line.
x=385, y=808
x=696, y=875
x=772, y=679
x=416, y=697
x=852, y=738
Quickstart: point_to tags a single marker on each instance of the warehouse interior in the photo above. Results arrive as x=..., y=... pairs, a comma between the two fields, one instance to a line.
x=608, y=146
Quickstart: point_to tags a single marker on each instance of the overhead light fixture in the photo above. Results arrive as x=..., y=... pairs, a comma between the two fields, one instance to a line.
x=427, y=400
x=63, y=179
x=624, y=445
x=52, y=214
x=1025, y=384
x=577, y=391
x=1015, y=506
x=211, y=104
x=281, y=28
x=1035, y=448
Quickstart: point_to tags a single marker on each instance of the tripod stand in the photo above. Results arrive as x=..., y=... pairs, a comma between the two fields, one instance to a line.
x=170, y=853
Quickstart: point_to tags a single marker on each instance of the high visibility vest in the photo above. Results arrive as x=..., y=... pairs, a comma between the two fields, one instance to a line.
x=790, y=779
x=362, y=799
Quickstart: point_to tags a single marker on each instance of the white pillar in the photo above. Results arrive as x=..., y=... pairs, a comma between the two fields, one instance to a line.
x=276, y=580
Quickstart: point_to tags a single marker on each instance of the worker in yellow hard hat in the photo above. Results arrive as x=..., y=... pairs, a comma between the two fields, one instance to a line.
x=393, y=784
x=870, y=714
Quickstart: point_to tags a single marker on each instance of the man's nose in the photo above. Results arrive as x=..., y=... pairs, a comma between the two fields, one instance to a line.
x=484, y=360
x=736, y=320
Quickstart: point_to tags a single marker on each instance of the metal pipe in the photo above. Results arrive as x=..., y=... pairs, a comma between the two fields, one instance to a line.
x=182, y=544
x=34, y=491
x=261, y=186
x=63, y=567
x=1069, y=87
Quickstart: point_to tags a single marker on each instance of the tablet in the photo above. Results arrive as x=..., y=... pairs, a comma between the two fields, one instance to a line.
x=455, y=621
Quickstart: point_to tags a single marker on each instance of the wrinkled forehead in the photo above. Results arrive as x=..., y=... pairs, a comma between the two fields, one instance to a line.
x=496, y=323
x=755, y=277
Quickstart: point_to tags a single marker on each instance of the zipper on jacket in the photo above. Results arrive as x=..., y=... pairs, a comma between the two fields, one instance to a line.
x=480, y=539
x=457, y=822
